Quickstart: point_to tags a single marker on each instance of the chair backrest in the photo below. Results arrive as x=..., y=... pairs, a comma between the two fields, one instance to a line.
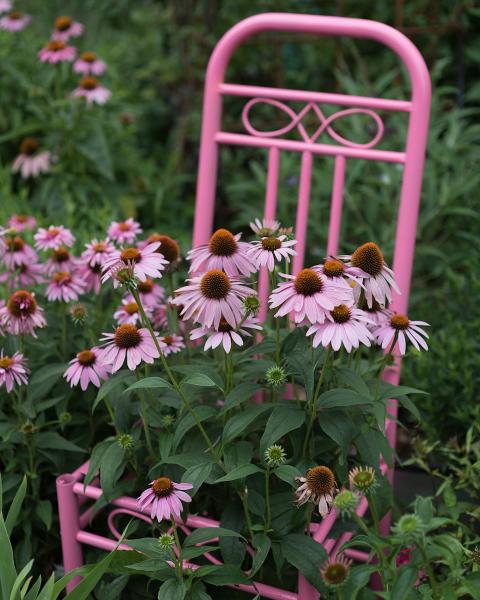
x=343, y=150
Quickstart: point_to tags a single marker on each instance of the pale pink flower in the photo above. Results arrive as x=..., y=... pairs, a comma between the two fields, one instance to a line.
x=265, y=227
x=93, y=92
x=13, y=370
x=225, y=252
x=210, y=297
x=22, y=222
x=343, y=326
x=91, y=276
x=141, y=263
x=17, y=252
x=128, y=312
x=171, y=344
x=31, y=161
x=158, y=317
x=225, y=335
x=5, y=6
x=400, y=327
x=97, y=252
x=25, y=275
x=338, y=272
x=14, y=21
x=377, y=278
x=308, y=295
x=65, y=286
x=56, y=51
x=268, y=250
x=376, y=314
x=89, y=64
x=124, y=232
x=130, y=343
x=151, y=294
x=318, y=486
x=86, y=368
x=65, y=28
x=53, y=237
x=163, y=499
x=60, y=260
x=22, y=315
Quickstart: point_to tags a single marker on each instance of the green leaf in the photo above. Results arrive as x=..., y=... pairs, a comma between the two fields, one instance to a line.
x=350, y=377
x=282, y=420
x=239, y=394
x=199, y=379
x=306, y=555
x=89, y=582
x=149, y=383
x=150, y=547
x=95, y=149
x=370, y=445
x=287, y=473
x=44, y=511
x=44, y=379
x=239, y=473
x=122, y=377
x=410, y=406
x=404, y=582
x=342, y=397
x=300, y=364
x=196, y=551
x=396, y=391
x=196, y=475
x=172, y=589
x=19, y=581
x=239, y=423
x=339, y=427
x=112, y=465
x=15, y=506
x=202, y=413
x=222, y=575
x=95, y=459
x=261, y=543
x=358, y=579
x=50, y=440
x=206, y=534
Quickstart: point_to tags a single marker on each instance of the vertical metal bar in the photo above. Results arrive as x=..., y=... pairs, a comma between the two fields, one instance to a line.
x=336, y=206
x=302, y=210
x=69, y=516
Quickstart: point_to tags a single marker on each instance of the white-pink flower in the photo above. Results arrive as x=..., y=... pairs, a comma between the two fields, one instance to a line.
x=213, y=296
x=151, y=294
x=268, y=250
x=141, y=263
x=93, y=92
x=65, y=28
x=124, y=232
x=86, y=368
x=14, y=21
x=22, y=315
x=22, y=222
x=163, y=499
x=128, y=312
x=344, y=326
x=57, y=51
x=5, y=6
x=225, y=335
x=13, y=369
x=400, y=328
x=65, y=286
x=265, y=227
x=338, y=272
x=308, y=295
x=31, y=161
x=97, y=252
x=89, y=64
x=53, y=237
x=128, y=343
x=60, y=260
x=24, y=275
x=171, y=344
x=225, y=252
x=17, y=252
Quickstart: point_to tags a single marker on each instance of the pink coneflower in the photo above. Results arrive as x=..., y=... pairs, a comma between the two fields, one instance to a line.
x=212, y=296
x=22, y=315
x=22, y=222
x=168, y=247
x=65, y=286
x=141, y=263
x=151, y=294
x=376, y=314
x=265, y=227
x=171, y=344
x=60, y=260
x=97, y=252
x=318, y=486
x=266, y=251
x=308, y=295
x=225, y=252
x=128, y=342
x=90, y=89
x=337, y=272
x=343, y=326
x=128, y=312
x=124, y=232
x=89, y=64
x=5, y=6
x=31, y=161
x=53, y=237
x=86, y=368
x=56, y=51
x=14, y=21
x=26, y=275
x=163, y=499
x=91, y=276
x=65, y=28
x=158, y=317
x=13, y=370
x=16, y=252
x=399, y=327
x=378, y=279
x=225, y=334
x=335, y=571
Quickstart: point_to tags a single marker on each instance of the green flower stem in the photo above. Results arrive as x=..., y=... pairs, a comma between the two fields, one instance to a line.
x=428, y=566
x=313, y=407
x=64, y=331
x=146, y=426
x=381, y=555
x=179, y=560
x=173, y=311
x=268, y=508
x=373, y=511
x=340, y=595
x=109, y=408
x=246, y=511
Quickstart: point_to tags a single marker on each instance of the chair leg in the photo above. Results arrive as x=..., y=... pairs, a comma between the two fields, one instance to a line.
x=69, y=515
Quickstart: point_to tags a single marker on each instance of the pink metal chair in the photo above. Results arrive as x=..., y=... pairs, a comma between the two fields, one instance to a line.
x=71, y=492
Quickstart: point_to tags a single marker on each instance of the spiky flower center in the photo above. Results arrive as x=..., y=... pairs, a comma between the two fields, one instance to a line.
x=363, y=479
x=15, y=15
x=145, y=287
x=53, y=232
x=307, y=282
x=168, y=339
x=89, y=57
x=131, y=255
x=21, y=218
x=29, y=146
x=223, y=326
x=363, y=305
x=271, y=244
x=61, y=254
x=163, y=486
x=335, y=573
x=15, y=244
x=127, y=336
x=131, y=308
x=86, y=358
x=368, y=258
x=168, y=247
x=90, y=83
x=399, y=322
x=99, y=247
x=333, y=268
x=21, y=303
x=6, y=362
x=320, y=480
x=222, y=243
x=55, y=46
x=265, y=232
x=215, y=284
x=62, y=277
x=341, y=314
x=124, y=226
x=63, y=23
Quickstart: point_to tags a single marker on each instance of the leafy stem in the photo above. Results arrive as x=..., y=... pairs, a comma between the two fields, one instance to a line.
x=313, y=404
